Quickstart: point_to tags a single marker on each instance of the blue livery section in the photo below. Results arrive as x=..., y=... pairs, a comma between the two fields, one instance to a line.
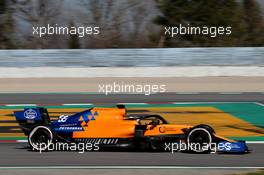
x=69, y=124
x=30, y=117
x=64, y=124
x=232, y=147
x=88, y=115
x=28, y=114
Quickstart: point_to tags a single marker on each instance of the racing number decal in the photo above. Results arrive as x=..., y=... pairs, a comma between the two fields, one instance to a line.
x=63, y=118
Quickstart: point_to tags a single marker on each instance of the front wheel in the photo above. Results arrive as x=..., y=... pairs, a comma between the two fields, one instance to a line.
x=40, y=138
x=199, y=140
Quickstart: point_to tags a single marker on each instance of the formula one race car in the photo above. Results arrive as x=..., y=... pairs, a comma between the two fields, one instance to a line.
x=114, y=128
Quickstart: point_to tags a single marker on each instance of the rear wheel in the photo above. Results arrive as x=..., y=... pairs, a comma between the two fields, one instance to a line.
x=199, y=140
x=40, y=138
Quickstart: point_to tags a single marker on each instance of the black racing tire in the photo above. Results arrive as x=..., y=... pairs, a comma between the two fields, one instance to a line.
x=207, y=127
x=40, y=138
x=200, y=139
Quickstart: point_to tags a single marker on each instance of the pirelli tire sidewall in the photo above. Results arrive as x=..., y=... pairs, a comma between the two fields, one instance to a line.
x=36, y=129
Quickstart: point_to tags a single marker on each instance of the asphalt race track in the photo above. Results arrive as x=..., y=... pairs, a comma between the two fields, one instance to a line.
x=17, y=154
x=35, y=98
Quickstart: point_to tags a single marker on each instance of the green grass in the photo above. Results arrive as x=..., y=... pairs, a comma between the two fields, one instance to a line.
x=13, y=138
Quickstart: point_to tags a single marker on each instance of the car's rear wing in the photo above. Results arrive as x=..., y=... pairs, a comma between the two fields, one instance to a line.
x=31, y=117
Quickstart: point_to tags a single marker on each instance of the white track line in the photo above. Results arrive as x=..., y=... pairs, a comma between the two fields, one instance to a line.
x=22, y=141
x=255, y=142
x=260, y=104
x=12, y=105
x=77, y=104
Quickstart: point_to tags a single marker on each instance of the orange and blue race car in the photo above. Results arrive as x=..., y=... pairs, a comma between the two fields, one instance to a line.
x=114, y=128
